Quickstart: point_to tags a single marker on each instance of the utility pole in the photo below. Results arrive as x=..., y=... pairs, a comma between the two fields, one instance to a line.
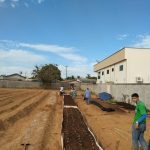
x=66, y=71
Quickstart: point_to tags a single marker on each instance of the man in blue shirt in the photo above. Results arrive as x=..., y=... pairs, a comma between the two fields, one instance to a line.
x=87, y=95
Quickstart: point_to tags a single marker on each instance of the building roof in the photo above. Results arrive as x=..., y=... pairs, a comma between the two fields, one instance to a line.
x=112, y=59
x=15, y=74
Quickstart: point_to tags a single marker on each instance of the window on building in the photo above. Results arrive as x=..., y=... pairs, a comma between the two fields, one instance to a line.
x=99, y=73
x=121, y=68
x=99, y=77
x=107, y=71
x=112, y=69
x=102, y=72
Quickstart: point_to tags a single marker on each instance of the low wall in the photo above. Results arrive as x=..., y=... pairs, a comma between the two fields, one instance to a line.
x=122, y=91
x=19, y=84
x=31, y=84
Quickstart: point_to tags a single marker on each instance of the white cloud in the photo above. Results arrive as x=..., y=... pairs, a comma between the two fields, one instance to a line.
x=13, y=61
x=7, y=70
x=2, y=1
x=40, y=1
x=77, y=70
x=143, y=41
x=14, y=3
x=122, y=36
x=65, y=52
x=20, y=55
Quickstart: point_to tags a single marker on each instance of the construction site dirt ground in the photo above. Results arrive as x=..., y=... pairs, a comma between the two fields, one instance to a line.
x=34, y=116
x=31, y=117
x=112, y=129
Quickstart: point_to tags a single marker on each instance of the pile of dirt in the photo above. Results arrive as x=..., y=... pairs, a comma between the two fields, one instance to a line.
x=126, y=105
x=107, y=109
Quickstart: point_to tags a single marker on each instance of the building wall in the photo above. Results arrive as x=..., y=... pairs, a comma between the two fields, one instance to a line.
x=115, y=76
x=138, y=64
x=120, y=76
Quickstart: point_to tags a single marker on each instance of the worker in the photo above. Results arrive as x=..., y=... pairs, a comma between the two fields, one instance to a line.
x=139, y=123
x=87, y=95
x=61, y=91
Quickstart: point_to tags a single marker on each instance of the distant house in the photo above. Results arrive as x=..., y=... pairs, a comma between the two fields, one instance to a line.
x=1, y=77
x=14, y=77
x=128, y=65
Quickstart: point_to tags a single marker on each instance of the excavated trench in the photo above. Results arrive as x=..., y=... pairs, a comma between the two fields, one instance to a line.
x=75, y=132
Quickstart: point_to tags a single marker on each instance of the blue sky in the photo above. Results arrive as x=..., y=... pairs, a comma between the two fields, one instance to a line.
x=75, y=33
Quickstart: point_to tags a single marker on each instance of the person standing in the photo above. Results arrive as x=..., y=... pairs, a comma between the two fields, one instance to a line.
x=87, y=95
x=139, y=123
x=73, y=93
x=61, y=90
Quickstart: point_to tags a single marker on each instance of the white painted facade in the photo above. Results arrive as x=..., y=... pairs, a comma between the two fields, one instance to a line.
x=132, y=67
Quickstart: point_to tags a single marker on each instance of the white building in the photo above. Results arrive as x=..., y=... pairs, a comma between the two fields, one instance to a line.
x=128, y=65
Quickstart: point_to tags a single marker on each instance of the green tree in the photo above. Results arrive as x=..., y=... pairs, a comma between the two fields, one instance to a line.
x=35, y=72
x=47, y=73
x=88, y=76
x=71, y=78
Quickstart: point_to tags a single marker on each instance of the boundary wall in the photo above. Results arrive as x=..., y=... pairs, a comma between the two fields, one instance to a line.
x=121, y=92
x=19, y=84
x=37, y=84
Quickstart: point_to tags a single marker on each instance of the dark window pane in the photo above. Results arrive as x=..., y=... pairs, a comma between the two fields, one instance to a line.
x=107, y=71
x=121, y=68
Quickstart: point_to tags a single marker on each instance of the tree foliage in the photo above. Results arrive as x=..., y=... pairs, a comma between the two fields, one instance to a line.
x=71, y=78
x=46, y=73
x=90, y=77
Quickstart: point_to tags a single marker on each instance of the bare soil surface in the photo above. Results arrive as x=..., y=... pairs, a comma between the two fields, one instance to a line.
x=34, y=116
x=112, y=129
x=30, y=117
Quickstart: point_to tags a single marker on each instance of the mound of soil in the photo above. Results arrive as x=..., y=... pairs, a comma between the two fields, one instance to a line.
x=101, y=107
x=126, y=105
